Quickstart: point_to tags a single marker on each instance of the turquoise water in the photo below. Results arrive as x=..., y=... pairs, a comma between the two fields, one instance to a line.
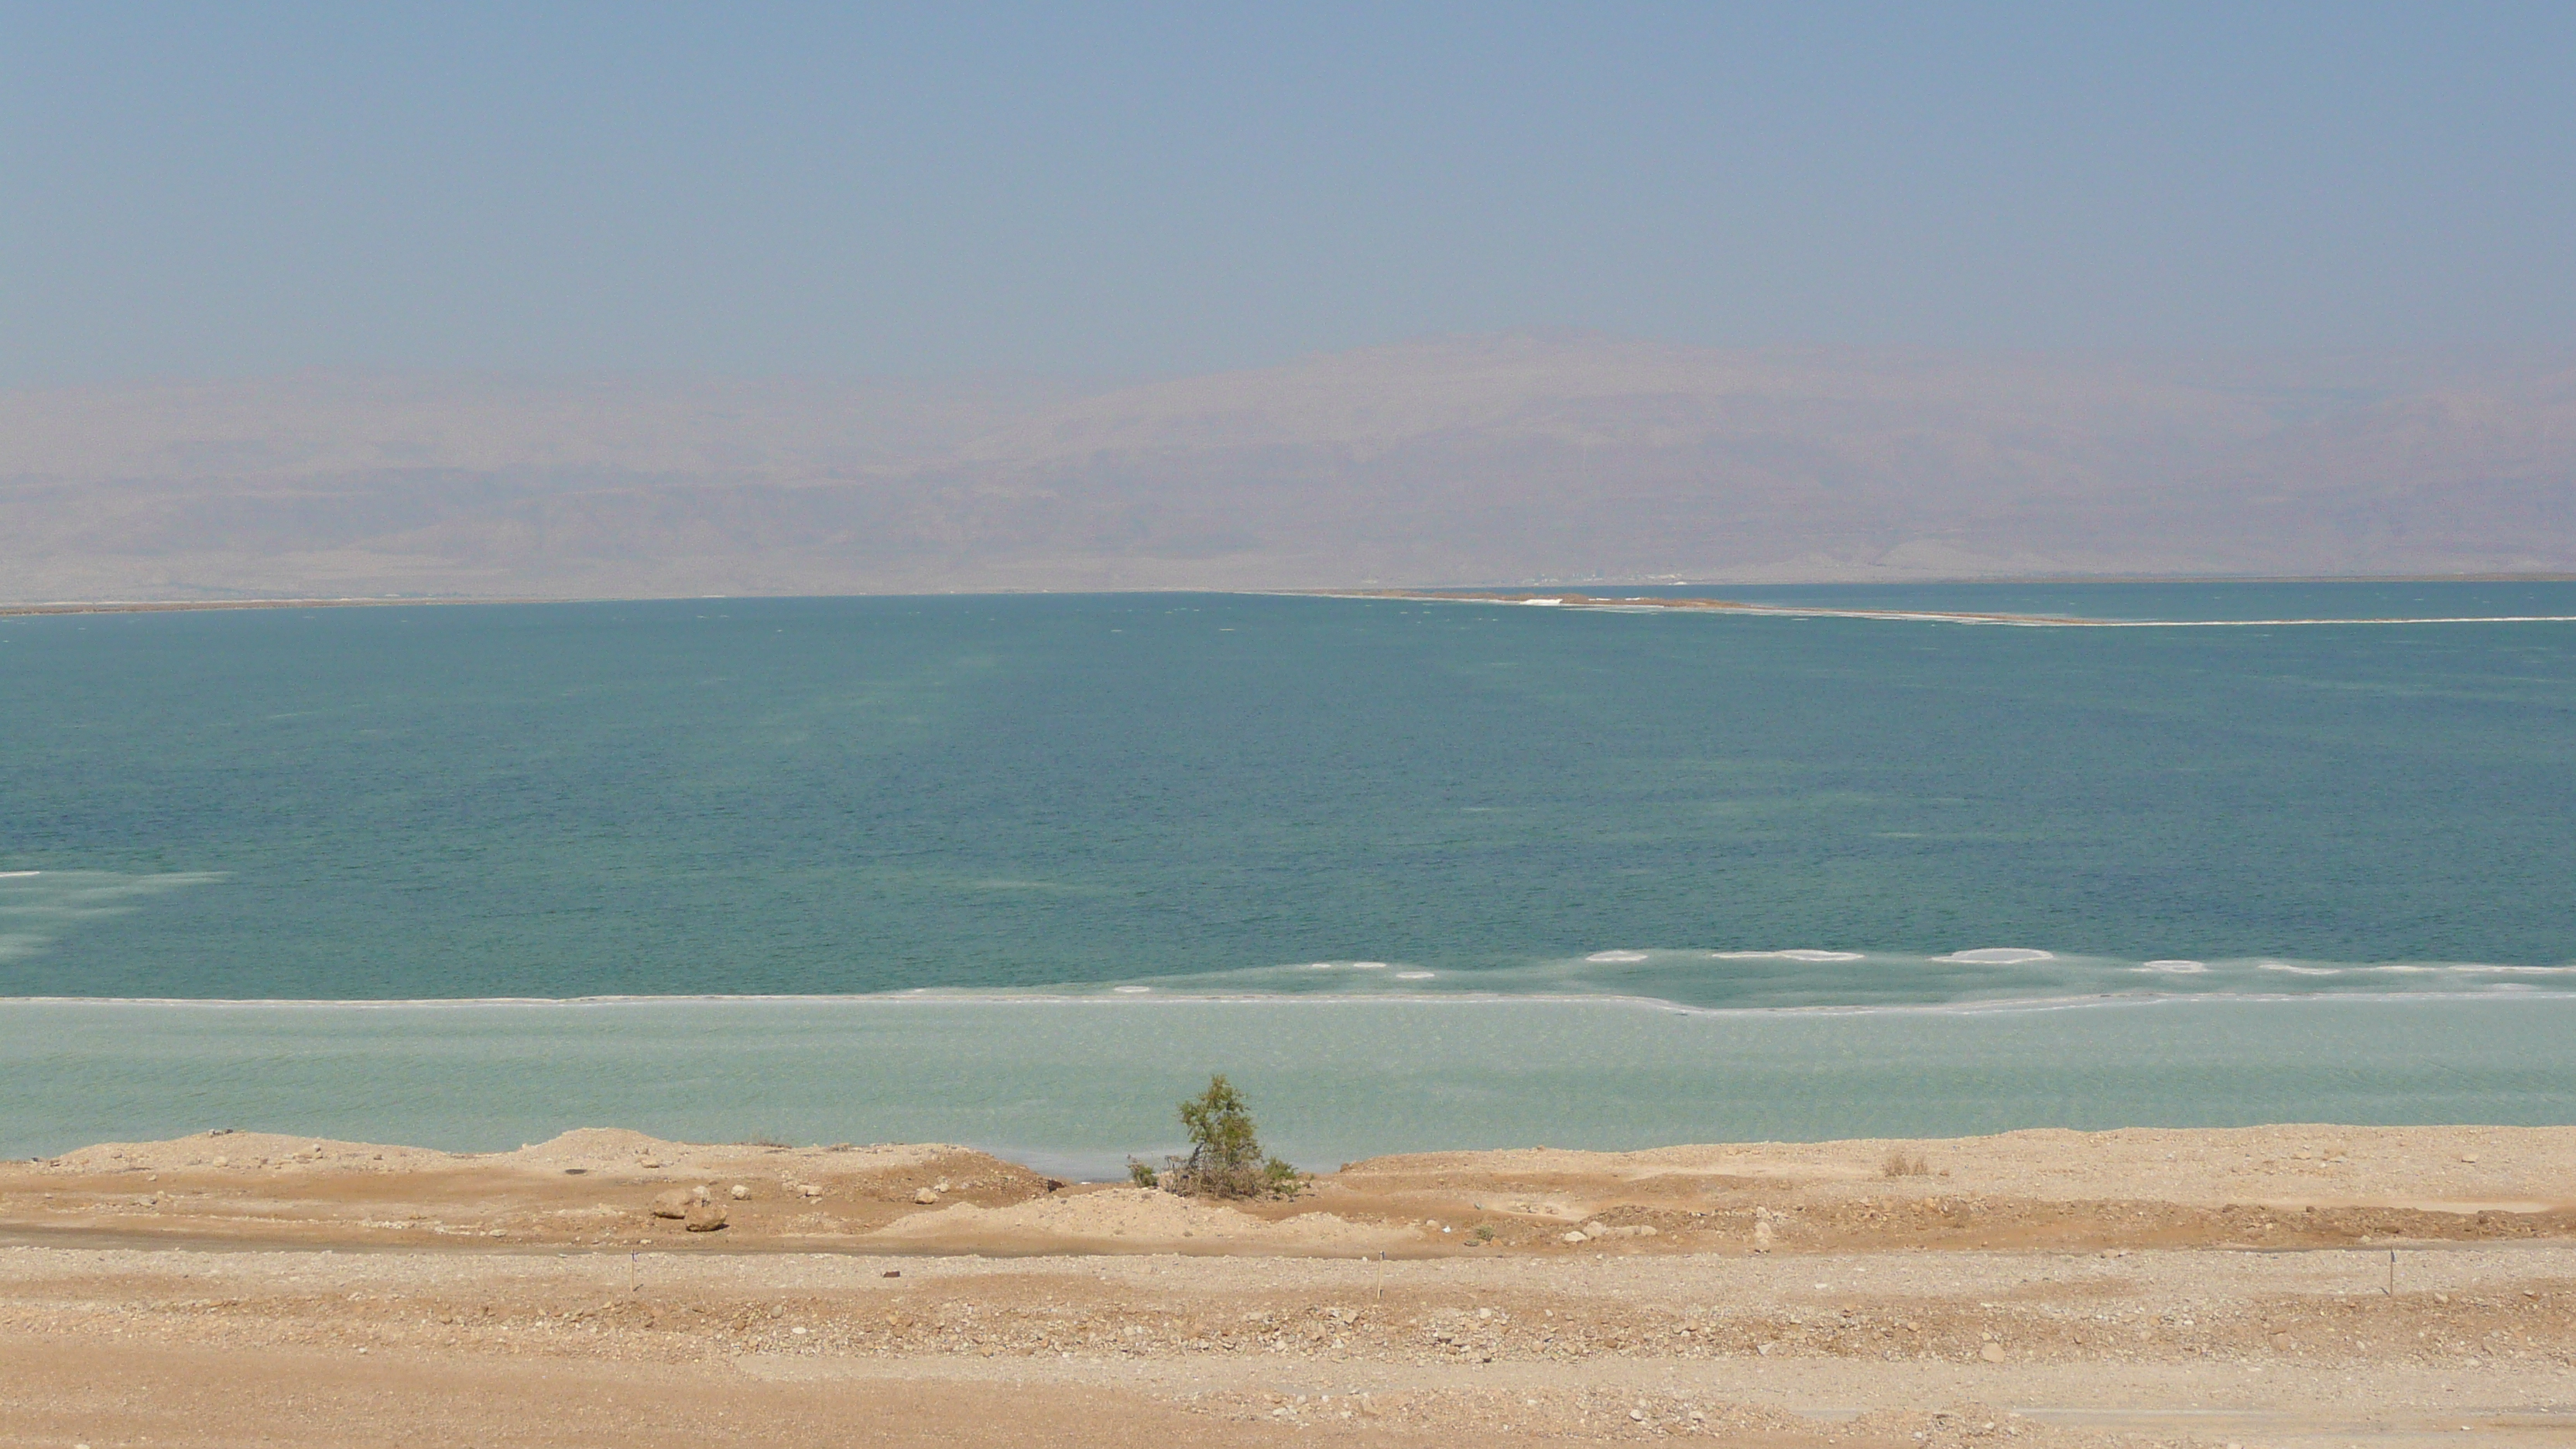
x=1326, y=802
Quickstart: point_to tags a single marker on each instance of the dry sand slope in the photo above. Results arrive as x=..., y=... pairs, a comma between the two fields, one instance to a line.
x=2306, y=1285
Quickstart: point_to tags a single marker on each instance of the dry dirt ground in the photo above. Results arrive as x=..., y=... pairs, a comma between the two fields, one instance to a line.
x=2270, y=1286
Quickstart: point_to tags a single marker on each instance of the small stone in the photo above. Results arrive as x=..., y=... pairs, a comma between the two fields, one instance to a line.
x=1992, y=1353
x=702, y=1193
x=810, y=1189
x=1574, y=1237
x=741, y=1193
x=650, y=1162
x=2468, y=1157
x=940, y=1186
x=704, y=1217
x=2283, y=1342
x=673, y=1204
x=926, y=1196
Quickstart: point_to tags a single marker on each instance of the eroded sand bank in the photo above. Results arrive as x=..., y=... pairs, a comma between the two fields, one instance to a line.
x=2287, y=1285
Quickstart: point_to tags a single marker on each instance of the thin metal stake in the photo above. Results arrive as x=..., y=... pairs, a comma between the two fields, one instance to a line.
x=2392, y=1272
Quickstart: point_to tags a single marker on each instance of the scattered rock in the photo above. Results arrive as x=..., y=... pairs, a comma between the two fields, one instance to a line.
x=2283, y=1342
x=926, y=1196
x=810, y=1189
x=705, y=1217
x=672, y=1204
x=741, y=1193
x=1992, y=1353
x=650, y=1162
x=1575, y=1237
x=703, y=1192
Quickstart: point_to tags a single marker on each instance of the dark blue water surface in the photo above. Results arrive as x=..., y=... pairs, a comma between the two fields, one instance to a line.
x=862, y=795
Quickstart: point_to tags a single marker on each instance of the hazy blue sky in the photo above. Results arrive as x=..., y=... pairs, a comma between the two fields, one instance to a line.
x=239, y=188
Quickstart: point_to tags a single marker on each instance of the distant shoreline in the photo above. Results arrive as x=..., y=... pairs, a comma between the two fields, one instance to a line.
x=1645, y=603
x=190, y=606
x=1440, y=594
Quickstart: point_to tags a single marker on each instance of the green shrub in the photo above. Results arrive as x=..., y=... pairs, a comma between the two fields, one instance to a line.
x=1225, y=1158
x=1141, y=1174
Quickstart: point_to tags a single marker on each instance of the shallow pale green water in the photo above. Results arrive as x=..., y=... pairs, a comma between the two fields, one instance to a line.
x=1078, y=1085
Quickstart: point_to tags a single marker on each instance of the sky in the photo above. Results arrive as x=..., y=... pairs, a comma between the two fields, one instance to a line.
x=237, y=189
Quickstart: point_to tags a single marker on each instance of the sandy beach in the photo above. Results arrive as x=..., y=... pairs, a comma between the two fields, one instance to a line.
x=2266, y=1286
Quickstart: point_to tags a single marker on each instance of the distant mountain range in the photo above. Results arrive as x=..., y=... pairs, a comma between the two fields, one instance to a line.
x=1481, y=460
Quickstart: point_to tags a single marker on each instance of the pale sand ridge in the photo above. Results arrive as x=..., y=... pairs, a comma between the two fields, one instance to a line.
x=2307, y=1285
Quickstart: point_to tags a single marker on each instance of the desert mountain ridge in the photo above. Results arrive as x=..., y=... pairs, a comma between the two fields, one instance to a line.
x=1457, y=460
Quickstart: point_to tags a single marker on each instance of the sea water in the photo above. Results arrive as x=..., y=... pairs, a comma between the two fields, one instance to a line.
x=1017, y=870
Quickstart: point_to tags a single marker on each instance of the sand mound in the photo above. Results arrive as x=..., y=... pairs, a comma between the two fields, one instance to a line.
x=599, y=1149
x=246, y=1149
x=1133, y=1215
x=583, y=1149
x=2452, y=1168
